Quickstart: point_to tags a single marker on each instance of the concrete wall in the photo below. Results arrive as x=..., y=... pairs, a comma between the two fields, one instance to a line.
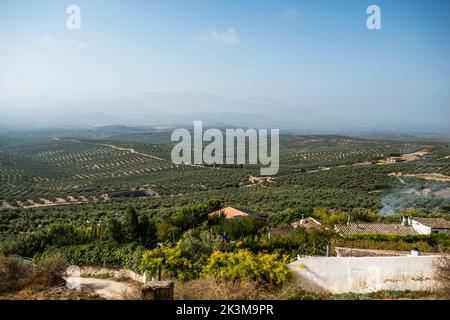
x=420, y=228
x=366, y=274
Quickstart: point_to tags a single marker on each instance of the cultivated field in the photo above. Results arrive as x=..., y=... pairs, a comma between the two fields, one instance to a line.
x=69, y=175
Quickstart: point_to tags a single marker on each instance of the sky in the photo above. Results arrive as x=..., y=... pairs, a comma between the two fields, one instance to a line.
x=313, y=55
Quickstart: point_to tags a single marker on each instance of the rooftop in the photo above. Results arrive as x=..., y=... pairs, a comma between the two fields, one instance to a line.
x=351, y=229
x=231, y=212
x=281, y=231
x=308, y=223
x=437, y=223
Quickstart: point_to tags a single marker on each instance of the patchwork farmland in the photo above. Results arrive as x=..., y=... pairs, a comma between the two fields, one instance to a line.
x=76, y=170
x=61, y=168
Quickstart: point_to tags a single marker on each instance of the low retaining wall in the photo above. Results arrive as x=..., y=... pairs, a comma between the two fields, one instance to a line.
x=366, y=274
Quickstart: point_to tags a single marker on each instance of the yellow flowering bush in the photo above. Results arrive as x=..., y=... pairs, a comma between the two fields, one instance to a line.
x=171, y=262
x=263, y=268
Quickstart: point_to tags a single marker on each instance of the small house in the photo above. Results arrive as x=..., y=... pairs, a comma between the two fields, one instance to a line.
x=308, y=223
x=429, y=225
x=409, y=226
x=230, y=212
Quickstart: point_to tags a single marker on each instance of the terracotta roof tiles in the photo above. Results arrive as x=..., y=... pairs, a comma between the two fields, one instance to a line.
x=375, y=228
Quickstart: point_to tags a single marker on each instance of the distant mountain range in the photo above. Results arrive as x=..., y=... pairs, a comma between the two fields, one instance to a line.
x=180, y=110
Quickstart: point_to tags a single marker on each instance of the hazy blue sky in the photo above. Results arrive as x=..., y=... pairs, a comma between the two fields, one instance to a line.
x=315, y=54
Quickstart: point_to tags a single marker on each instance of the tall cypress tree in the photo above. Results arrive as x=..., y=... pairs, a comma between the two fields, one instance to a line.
x=131, y=225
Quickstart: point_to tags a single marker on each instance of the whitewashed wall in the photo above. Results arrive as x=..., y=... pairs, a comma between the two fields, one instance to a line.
x=420, y=228
x=366, y=274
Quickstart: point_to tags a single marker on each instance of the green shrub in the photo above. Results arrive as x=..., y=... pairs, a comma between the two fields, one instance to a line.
x=100, y=254
x=287, y=216
x=239, y=228
x=264, y=269
x=330, y=217
x=58, y=235
x=299, y=241
x=172, y=263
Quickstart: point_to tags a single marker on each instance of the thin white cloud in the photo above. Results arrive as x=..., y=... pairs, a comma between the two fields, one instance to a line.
x=66, y=43
x=289, y=12
x=228, y=37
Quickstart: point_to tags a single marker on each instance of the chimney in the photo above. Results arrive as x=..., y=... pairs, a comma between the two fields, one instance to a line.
x=302, y=221
x=409, y=221
x=405, y=220
x=348, y=219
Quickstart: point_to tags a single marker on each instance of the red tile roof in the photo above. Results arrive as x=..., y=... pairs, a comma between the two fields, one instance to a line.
x=231, y=212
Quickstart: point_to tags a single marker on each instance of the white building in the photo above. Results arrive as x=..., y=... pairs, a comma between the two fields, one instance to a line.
x=428, y=225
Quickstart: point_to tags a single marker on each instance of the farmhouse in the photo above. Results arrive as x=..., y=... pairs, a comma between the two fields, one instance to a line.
x=231, y=212
x=396, y=159
x=308, y=223
x=428, y=225
x=409, y=226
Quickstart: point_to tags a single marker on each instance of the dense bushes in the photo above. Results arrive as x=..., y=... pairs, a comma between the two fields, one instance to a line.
x=12, y=271
x=287, y=216
x=16, y=275
x=118, y=243
x=239, y=228
x=264, y=269
x=185, y=259
x=298, y=242
x=188, y=217
x=100, y=254
x=263, y=260
x=171, y=262
x=115, y=244
x=55, y=235
x=133, y=229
